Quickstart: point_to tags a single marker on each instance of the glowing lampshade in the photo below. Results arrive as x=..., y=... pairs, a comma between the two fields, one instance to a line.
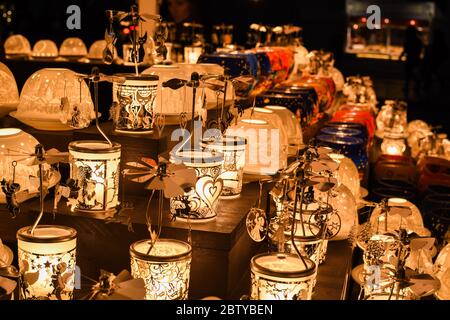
x=233, y=149
x=263, y=154
x=45, y=49
x=417, y=125
x=273, y=119
x=300, y=57
x=135, y=102
x=393, y=147
x=50, y=100
x=73, y=47
x=96, y=50
x=338, y=78
x=343, y=201
x=173, y=102
x=444, y=292
x=15, y=144
x=392, y=118
x=199, y=202
x=191, y=54
x=165, y=270
x=347, y=173
x=9, y=94
x=292, y=125
x=95, y=166
x=47, y=261
x=17, y=45
x=281, y=277
x=413, y=222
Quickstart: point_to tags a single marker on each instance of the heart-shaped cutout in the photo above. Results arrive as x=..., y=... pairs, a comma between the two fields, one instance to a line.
x=209, y=190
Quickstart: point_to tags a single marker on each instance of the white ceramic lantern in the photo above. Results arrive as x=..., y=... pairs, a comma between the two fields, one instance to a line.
x=135, y=102
x=73, y=48
x=47, y=261
x=45, y=49
x=200, y=201
x=347, y=174
x=170, y=102
x=233, y=149
x=165, y=270
x=281, y=277
x=9, y=94
x=55, y=100
x=291, y=123
x=17, y=45
x=264, y=152
x=95, y=166
x=392, y=119
x=16, y=146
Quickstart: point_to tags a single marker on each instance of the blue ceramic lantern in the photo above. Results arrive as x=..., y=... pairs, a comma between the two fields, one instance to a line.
x=352, y=147
x=344, y=132
x=235, y=64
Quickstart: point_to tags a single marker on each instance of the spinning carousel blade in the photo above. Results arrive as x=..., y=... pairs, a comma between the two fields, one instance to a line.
x=150, y=162
x=401, y=211
x=292, y=167
x=184, y=176
x=171, y=188
x=323, y=184
x=174, y=84
x=324, y=150
x=425, y=243
x=423, y=284
x=213, y=86
x=143, y=178
x=53, y=156
x=154, y=183
x=173, y=167
x=137, y=172
x=324, y=165
x=155, y=17
x=137, y=165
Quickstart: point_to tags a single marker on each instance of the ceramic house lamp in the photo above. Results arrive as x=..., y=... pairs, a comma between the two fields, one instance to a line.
x=9, y=94
x=45, y=49
x=17, y=45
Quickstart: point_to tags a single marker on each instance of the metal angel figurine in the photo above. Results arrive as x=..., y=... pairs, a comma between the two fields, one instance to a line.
x=138, y=40
x=169, y=179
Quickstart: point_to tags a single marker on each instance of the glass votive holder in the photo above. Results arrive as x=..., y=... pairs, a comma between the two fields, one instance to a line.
x=47, y=260
x=165, y=269
x=233, y=149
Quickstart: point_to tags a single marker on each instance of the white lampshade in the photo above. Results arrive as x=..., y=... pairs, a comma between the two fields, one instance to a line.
x=281, y=277
x=200, y=202
x=47, y=261
x=9, y=94
x=43, y=95
x=391, y=120
x=347, y=173
x=343, y=201
x=96, y=50
x=233, y=149
x=413, y=222
x=17, y=145
x=95, y=166
x=173, y=102
x=264, y=153
x=45, y=49
x=165, y=270
x=291, y=123
x=73, y=47
x=17, y=45
x=134, y=110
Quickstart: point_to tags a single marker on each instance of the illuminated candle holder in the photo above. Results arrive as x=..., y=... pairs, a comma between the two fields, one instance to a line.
x=95, y=167
x=45, y=49
x=73, y=48
x=135, y=102
x=191, y=54
x=199, y=203
x=347, y=174
x=291, y=123
x=165, y=270
x=233, y=149
x=17, y=45
x=281, y=277
x=393, y=146
x=263, y=154
x=47, y=261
